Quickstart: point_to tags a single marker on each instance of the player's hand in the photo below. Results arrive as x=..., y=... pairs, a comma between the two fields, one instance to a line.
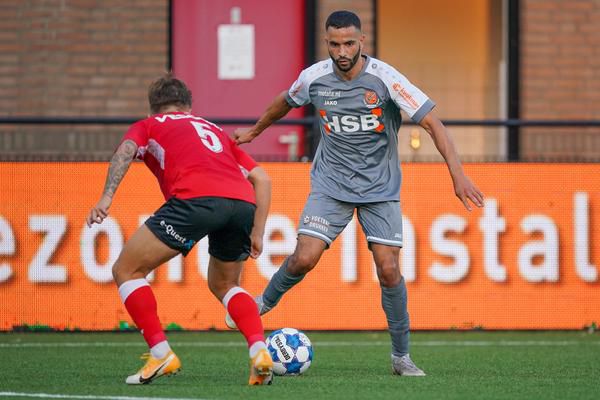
x=243, y=135
x=99, y=212
x=466, y=191
x=256, y=247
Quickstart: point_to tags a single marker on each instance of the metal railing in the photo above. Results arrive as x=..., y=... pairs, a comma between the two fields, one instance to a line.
x=306, y=121
x=310, y=122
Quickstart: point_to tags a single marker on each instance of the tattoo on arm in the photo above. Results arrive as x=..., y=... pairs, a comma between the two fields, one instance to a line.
x=119, y=164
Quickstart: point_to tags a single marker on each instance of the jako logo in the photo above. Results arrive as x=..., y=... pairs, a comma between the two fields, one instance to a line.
x=352, y=123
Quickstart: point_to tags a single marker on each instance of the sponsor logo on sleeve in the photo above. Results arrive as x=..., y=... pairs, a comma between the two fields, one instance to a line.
x=405, y=95
x=296, y=88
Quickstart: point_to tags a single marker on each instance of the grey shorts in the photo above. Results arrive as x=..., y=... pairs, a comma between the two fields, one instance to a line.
x=325, y=218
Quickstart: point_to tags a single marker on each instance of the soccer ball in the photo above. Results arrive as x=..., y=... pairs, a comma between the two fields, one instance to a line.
x=291, y=351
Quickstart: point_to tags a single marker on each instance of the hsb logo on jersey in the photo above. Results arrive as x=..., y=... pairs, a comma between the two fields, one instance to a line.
x=352, y=123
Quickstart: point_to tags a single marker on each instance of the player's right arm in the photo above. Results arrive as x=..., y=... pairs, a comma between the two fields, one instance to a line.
x=277, y=110
x=298, y=95
x=119, y=164
x=262, y=190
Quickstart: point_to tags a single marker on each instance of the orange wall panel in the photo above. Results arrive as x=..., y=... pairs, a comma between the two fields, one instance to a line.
x=529, y=260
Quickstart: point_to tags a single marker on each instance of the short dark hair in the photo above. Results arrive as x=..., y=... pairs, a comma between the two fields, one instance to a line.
x=342, y=19
x=166, y=91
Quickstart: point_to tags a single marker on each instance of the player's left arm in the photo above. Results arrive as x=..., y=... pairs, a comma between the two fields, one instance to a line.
x=262, y=189
x=464, y=189
x=119, y=164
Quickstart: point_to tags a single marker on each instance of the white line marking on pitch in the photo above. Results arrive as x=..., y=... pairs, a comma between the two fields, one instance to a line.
x=427, y=343
x=92, y=397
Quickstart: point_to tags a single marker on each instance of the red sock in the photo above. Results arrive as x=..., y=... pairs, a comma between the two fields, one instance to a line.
x=244, y=312
x=141, y=305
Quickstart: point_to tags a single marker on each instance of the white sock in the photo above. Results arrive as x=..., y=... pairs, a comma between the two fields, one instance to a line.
x=131, y=286
x=254, y=349
x=160, y=350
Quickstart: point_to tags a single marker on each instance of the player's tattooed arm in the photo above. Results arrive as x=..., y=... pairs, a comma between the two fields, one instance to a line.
x=119, y=164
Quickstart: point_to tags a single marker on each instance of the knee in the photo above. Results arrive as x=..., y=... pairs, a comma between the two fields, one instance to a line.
x=300, y=264
x=389, y=273
x=123, y=271
x=118, y=273
x=215, y=288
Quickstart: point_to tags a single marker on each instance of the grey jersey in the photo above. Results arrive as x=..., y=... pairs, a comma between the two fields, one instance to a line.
x=357, y=158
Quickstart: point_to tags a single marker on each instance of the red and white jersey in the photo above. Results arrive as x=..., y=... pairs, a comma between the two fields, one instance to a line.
x=192, y=157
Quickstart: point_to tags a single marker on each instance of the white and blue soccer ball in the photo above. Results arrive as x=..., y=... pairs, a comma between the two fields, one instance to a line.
x=291, y=351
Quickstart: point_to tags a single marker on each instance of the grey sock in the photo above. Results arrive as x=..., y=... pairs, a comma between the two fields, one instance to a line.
x=280, y=283
x=393, y=301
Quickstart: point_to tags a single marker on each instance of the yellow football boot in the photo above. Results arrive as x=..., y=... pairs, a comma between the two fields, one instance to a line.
x=261, y=368
x=155, y=368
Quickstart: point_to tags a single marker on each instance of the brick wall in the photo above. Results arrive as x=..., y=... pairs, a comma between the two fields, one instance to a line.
x=76, y=58
x=96, y=58
x=80, y=57
x=560, y=53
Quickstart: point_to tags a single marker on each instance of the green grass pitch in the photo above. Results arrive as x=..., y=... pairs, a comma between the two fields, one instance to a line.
x=347, y=365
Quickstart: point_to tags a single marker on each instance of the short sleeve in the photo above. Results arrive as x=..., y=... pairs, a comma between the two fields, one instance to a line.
x=245, y=162
x=298, y=95
x=408, y=97
x=137, y=132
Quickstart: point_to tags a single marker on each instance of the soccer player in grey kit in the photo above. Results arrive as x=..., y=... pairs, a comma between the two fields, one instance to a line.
x=356, y=166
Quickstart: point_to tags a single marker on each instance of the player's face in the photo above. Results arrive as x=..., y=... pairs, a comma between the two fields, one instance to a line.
x=344, y=46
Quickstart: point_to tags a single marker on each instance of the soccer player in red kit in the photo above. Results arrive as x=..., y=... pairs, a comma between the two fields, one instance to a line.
x=211, y=187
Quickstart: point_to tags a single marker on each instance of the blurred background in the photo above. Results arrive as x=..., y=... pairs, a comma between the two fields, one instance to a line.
x=516, y=81
x=497, y=66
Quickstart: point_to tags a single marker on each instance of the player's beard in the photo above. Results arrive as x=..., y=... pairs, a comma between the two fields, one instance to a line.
x=351, y=64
